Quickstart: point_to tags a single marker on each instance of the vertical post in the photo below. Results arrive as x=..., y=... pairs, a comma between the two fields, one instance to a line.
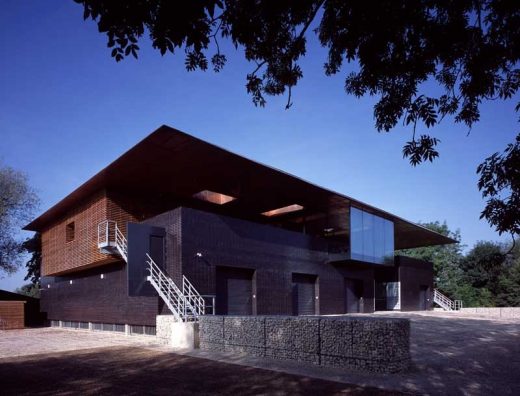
x=213, y=304
x=90, y=327
x=127, y=329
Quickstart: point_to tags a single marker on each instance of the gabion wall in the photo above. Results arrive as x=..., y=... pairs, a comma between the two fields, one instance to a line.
x=368, y=344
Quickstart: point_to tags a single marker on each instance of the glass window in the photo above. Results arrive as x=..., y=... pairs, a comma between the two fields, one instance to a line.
x=356, y=234
x=368, y=237
x=379, y=239
x=389, y=242
x=371, y=237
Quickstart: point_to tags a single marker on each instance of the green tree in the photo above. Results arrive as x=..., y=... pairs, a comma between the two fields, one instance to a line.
x=483, y=265
x=509, y=281
x=472, y=296
x=468, y=48
x=33, y=246
x=17, y=204
x=30, y=290
x=445, y=258
x=500, y=185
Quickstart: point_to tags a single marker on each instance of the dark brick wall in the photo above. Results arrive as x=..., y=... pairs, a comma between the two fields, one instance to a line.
x=92, y=299
x=171, y=222
x=275, y=254
x=412, y=274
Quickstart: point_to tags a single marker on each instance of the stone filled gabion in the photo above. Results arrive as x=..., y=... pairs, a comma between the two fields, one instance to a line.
x=246, y=331
x=361, y=343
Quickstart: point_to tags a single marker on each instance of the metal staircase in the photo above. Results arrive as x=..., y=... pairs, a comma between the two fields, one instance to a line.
x=446, y=303
x=186, y=305
x=111, y=240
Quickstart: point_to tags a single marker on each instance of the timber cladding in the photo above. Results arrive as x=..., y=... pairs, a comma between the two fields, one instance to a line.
x=12, y=315
x=71, y=242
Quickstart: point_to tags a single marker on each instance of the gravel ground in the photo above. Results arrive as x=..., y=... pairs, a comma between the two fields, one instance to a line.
x=43, y=340
x=452, y=355
x=146, y=371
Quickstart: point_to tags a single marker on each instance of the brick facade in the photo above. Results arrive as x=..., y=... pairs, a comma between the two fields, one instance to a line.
x=61, y=255
x=85, y=296
x=273, y=253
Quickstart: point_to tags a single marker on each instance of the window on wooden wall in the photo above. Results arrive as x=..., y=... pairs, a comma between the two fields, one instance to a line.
x=70, y=231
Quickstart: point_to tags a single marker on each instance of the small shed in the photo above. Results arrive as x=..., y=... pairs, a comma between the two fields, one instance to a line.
x=12, y=315
x=20, y=311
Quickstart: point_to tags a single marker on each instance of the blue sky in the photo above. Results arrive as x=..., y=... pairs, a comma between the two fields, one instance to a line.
x=68, y=109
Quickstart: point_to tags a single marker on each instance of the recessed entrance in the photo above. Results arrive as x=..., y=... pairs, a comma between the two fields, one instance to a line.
x=234, y=291
x=353, y=295
x=423, y=297
x=304, y=294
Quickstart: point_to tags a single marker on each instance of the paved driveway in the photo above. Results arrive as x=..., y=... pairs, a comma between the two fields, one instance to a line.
x=14, y=343
x=451, y=356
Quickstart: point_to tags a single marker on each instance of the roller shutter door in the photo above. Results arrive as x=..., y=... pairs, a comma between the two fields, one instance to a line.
x=304, y=294
x=240, y=292
x=234, y=291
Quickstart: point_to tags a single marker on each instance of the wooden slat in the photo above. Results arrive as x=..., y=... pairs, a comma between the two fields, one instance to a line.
x=11, y=315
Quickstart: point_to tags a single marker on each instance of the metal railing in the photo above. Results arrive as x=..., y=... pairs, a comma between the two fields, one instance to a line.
x=209, y=305
x=185, y=305
x=446, y=303
x=167, y=289
x=193, y=297
x=121, y=244
x=110, y=236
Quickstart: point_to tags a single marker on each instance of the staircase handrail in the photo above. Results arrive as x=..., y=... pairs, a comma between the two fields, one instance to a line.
x=193, y=297
x=445, y=302
x=167, y=289
x=177, y=301
x=121, y=243
x=109, y=234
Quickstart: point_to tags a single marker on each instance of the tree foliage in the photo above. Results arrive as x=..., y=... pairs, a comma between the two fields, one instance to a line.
x=17, y=203
x=446, y=259
x=469, y=48
x=485, y=276
x=33, y=246
x=29, y=289
x=500, y=184
x=483, y=264
x=508, y=294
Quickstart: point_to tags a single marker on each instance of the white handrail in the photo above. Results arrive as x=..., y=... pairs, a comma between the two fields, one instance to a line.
x=445, y=302
x=193, y=296
x=186, y=304
x=168, y=291
x=121, y=243
x=110, y=236
x=185, y=307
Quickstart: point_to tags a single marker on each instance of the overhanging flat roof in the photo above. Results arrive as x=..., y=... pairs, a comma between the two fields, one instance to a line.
x=172, y=163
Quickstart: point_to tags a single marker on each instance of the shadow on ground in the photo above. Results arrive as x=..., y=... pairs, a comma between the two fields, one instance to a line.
x=461, y=356
x=139, y=371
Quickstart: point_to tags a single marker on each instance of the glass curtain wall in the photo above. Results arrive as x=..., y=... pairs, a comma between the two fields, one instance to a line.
x=371, y=237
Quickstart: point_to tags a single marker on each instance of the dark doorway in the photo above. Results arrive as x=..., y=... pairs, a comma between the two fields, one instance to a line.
x=234, y=291
x=143, y=239
x=353, y=295
x=304, y=294
x=423, y=297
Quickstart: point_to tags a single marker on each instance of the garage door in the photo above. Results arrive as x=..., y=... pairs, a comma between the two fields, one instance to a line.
x=234, y=291
x=304, y=294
